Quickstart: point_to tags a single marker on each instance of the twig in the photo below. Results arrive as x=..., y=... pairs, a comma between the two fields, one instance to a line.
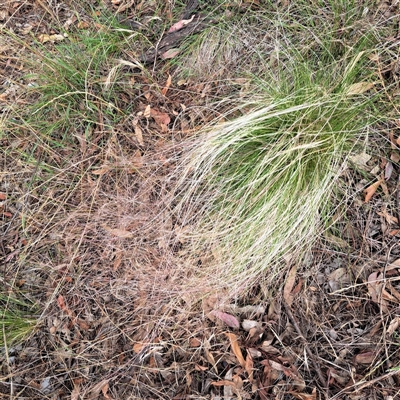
x=360, y=386
x=308, y=351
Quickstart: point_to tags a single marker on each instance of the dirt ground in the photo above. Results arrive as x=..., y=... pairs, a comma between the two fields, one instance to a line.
x=116, y=320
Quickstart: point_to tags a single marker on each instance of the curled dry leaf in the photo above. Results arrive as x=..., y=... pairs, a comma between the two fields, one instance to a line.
x=101, y=171
x=228, y=319
x=180, y=24
x=360, y=88
x=63, y=306
x=367, y=357
x=388, y=170
x=44, y=38
x=121, y=233
x=249, y=366
x=147, y=111
x=171, y=53
x=360, y=160
x=224, y=382
x=248, y=324
x=167, y=85
x=395, y=156
x=254, y=352
x=375, y=286
x=139, y=135
x=236, y=348
x=96, y=389
x=287, y=290
x=390, y=219
x=194, y=342
x=161, y=118
x=370, y=190
x=394, y=324
x=137, y=160
x=305, y=396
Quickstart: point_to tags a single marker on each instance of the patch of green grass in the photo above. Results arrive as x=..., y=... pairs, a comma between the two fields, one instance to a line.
x=257, y=189
x=74, y=84
x=16, y=320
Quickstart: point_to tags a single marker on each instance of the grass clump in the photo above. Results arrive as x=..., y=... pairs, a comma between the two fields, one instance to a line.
x=256, y=189
x=16, y=320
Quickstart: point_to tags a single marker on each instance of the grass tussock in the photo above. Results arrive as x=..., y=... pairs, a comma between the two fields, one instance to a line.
x=16, y=320
x=256, y=190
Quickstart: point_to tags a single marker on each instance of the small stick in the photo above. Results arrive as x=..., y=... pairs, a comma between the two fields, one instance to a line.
x=308, y=351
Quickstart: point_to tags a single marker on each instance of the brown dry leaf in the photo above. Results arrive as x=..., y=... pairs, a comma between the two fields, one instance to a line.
x=384, y=188
x=276, y=366
x=83, y=25
x=139, y=135
x=118, y=260
x=180, y=24
x=395, y=264
x=370, y=190
x=137, y=160
x=209, y=356
x=96, y=389
x=198, y=367
x=287, y=290
x=224, y=382
x=388, y=170
x=63, y=306
x=147, y=111
x=171, y=53
x=394, y=324
x=77, y=388
x=2, y=196
x=335, y=240
x=236, y=348
x=360, y=160
x=137, y=347
x=44, y=38
x=338, y=278
x=228, y=319
x=249, y=366
x=101, y=171
x=367, y=357
x=161, y=118
x=194, y=342
x=390, y=219
x=121, y=233
x=104, y=390
x=392, y=140
x=375, y=287
x=395, y=156
x=360, y=88
x=305, y=396
x=249, y=324
x=167, y=85
x=82, y=324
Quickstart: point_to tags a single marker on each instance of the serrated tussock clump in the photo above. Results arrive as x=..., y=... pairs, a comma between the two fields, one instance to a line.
x=256, y=190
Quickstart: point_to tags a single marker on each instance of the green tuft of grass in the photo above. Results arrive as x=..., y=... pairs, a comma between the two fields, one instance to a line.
x=16, y=320
x=256, y=189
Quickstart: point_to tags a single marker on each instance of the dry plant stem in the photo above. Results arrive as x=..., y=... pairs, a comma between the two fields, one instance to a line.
x=308, y=351
x=360, y=386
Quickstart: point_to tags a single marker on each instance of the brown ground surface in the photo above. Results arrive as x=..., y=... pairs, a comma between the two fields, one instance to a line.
x=115, y=321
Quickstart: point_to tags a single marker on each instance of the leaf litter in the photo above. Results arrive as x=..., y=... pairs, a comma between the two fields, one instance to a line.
x=113, y=323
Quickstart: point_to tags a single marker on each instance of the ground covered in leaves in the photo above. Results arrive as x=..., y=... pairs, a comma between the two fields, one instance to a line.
x=89, y=237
